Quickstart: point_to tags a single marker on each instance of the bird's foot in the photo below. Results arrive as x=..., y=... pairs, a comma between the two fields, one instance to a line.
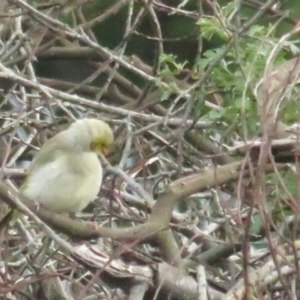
x=37, y=206
x=93, y=225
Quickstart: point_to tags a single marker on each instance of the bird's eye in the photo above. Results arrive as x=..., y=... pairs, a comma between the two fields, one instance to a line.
x=97, y=146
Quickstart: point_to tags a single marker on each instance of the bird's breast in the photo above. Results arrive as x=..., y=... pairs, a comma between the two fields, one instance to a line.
x=67, y=184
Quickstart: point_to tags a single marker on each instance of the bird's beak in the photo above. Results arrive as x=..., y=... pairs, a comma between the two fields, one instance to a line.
x=105, y=151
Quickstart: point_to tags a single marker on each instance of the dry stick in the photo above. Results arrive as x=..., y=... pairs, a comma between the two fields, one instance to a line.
x=121, y=49
x=113, y=10
x=156, y=227
x=183, y=188
x=52, y=93
x=158, y=220
x=73, y=228
x=56, y=25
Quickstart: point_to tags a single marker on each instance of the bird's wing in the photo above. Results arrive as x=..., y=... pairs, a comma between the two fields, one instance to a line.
x=48, y=153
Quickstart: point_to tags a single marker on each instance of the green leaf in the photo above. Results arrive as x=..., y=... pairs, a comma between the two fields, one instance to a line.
x=210, y=27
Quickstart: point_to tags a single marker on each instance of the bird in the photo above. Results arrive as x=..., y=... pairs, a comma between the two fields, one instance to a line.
x=66, y=175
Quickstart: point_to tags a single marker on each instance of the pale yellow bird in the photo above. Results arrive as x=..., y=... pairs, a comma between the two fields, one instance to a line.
x=66, y=174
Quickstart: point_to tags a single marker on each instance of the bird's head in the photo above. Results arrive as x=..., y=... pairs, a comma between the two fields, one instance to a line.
x=97, y=135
